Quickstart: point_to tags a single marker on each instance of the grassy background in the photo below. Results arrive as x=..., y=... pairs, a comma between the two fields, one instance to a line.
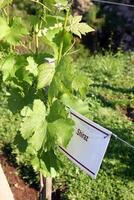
x=110, y=95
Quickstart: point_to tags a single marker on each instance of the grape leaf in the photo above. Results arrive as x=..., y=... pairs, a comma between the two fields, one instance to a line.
x=57, y=111
x=4, y=28
x=67, y=40
x=49, y=39
x=20, y=143
x=8, y=67
x=45, y=74
x=3, y=3
x=24, y=76
x=54, y=88
x=78, y=28
x=62, y=2
x=80, y=83
x=48, y=163
x=32, y=66
x=17, y=31
x=13, y=33
x=15, y=100
x=20, y=95
x=34, y=122
x=53, y=21
x=62, y=81
x=61, y=131
x=26, y=68
x=76, y=104
x=38, y=137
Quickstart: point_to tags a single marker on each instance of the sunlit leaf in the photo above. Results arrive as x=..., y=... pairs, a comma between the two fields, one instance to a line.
x=77, y=27
x=4, y=28
x=45, y=74
x=61, y=131
x=34, y=122
x=75, y=103
x=8, y=68
x=32, y=66
x=17, y=31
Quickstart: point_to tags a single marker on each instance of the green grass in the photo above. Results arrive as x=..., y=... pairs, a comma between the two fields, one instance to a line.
x=110, y=93
x=8, y=122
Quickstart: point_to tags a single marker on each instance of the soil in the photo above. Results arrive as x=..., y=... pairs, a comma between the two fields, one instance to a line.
x=129, y=112
x=20, y=189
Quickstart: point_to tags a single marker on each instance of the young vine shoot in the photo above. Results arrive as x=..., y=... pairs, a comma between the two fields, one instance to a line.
x=41, y=83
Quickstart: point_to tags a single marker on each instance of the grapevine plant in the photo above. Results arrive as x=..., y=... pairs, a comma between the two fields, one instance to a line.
x=41, y=84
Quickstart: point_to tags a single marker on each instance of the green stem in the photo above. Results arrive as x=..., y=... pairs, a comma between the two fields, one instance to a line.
x=4, y=12
x=36, y=42
x=8, y=13
x=62, y=39
x=36, y=35
x=45, y=7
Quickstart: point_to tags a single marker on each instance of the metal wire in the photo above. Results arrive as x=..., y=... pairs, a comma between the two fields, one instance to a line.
x=120, y=139
x=114, y=3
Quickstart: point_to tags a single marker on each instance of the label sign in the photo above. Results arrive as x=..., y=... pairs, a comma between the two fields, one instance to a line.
x=88, y=144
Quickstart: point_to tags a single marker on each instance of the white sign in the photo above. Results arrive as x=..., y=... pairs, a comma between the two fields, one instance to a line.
x=88, y=144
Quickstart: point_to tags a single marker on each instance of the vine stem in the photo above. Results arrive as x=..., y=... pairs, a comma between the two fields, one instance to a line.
x=62, y=40
x=36, y=34
x=38, y=2
x=8, y=13
x=4, y=12
x=37, y=39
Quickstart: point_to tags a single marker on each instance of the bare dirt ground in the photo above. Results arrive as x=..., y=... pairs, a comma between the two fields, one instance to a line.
x=20, y=189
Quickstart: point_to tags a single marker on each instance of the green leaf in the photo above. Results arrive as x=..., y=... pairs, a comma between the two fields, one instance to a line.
x=67, y=40
x=34, y=122
x=38, y=137
x=84, y=28
x=26, y=70
x=57, y=111
x=49, y=39
x=4, y=3
x=62, y=81
x=15, y=100
x=20, y=95
x=17, y=31
x=53, y=21
x=61, y=131
x=20, y=143
x=80, y=83
x=14, y=33
x=8, y=67
x=4, y=28
x=1, y=3
x=48, y=163
x=62, y=2
x=53, y=89
x=24, y=76
x=78, y=28
x=45, y=74
x=32, y=66
x=76, y=104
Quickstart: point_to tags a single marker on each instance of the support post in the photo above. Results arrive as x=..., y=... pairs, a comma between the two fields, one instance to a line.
x=45, y=188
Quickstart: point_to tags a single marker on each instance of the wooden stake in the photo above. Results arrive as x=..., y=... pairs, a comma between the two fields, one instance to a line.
x=48, y=184
x=45, y=188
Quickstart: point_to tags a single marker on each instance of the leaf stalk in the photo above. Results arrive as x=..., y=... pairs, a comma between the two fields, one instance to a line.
x=63, y=33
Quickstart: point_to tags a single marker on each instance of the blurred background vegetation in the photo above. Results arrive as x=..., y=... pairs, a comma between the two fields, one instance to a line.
x=114, y=25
